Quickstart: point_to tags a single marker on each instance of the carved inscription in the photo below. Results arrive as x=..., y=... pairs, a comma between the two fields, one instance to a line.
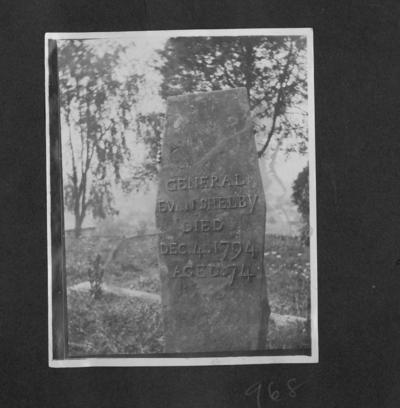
x=210, y=204
x=230, y=271
x=214, y=225
x=204, y=182
x=229, y=250
x=226, y=251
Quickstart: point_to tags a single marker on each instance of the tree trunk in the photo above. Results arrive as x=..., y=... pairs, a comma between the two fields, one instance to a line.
x=78, y=225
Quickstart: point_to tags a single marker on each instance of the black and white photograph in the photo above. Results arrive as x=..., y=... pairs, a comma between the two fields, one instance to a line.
x=181, y=198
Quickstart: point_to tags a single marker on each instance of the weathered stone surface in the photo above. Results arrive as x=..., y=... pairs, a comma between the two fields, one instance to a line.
x=211, y=214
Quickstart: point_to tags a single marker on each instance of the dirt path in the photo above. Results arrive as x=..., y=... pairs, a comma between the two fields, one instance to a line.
x=116, y=290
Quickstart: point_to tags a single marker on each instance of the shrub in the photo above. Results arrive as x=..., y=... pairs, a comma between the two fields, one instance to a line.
x=301, y=197
x=95, y=275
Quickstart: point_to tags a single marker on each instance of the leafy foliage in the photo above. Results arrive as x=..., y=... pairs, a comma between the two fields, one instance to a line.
x=98, y=99
x=149, y=130
x=272, y=69
x=300, y=197
x=96, y=105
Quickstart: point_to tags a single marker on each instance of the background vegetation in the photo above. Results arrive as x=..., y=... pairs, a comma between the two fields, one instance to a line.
x=109, y=141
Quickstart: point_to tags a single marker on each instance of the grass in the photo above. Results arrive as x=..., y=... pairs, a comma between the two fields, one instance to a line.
x=122, y=325
x=113, y=325
x=287, y=266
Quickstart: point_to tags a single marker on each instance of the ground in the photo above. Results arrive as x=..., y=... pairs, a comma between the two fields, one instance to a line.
x=118, y=321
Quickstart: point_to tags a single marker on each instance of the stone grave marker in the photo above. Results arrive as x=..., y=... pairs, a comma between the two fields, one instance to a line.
x=210, y=211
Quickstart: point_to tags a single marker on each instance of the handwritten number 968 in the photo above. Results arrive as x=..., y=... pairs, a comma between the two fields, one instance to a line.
x=274, y=394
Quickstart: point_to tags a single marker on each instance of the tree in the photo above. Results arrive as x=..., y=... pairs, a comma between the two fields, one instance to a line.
x=96, y=106
x=149, y=130
x=300, y=197
x=272, y=69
